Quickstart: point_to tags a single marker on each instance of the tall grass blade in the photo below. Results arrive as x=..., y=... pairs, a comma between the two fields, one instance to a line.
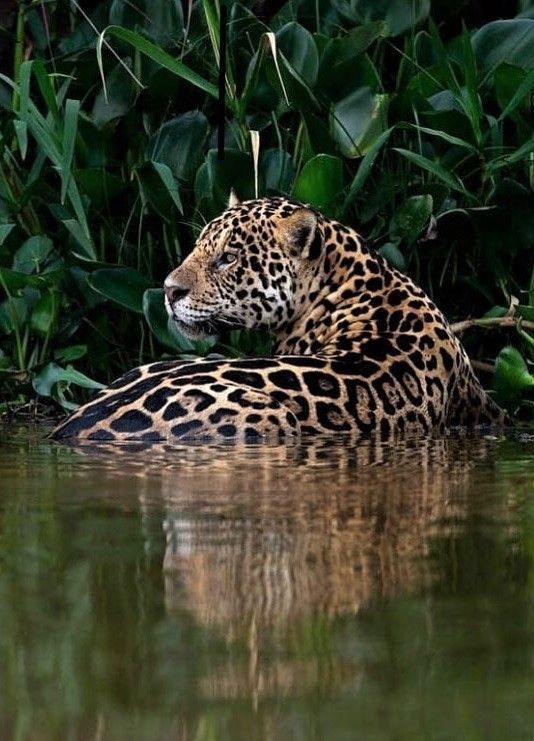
x=157, y=55
x=70, y=127
x=365, y=168
x=271, y=38
x=255, y=144
x=522, y=91
x=434, y=168
x=167, y=178
x=446, y=137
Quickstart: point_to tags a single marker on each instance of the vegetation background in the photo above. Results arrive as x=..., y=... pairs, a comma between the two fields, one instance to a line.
x=411, y=120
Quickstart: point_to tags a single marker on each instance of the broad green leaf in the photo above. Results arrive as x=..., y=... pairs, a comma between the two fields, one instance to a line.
x=161, y=324
x=278, y=170
x=99, y=185
x=14, y=314
x=511, y=377
x=510, y=41
x=30, y=257
x=121, y=94
x=178, y=143
x=14, y=281
x=393, y=255
x=45, y=313
x=449, y=178
x=357, y=121
x=320, y=183
x=298, y=47
x=52, y=374
x=284, y=78
x=398, y=15
x=162, y=22
x=410, y=218
x=70, y=353
x=125, y=286
x=217, y=177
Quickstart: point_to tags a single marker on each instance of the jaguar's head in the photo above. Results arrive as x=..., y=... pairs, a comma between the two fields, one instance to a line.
x=251, y=267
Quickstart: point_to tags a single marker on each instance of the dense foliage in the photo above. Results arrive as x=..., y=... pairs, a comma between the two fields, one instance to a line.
x=412, y=121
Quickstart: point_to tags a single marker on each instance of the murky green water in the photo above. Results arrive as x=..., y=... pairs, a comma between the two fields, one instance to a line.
x=316, y=590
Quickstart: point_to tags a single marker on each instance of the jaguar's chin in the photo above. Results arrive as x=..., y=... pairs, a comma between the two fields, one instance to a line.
x=193, y=331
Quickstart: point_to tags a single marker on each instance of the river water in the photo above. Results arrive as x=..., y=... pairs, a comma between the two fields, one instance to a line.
x=319, y=589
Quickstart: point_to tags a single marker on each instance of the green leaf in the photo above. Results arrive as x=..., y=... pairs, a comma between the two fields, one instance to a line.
x=169, y=182
x=449, y=138
x=527, y=312
x=121, y=94
x=512, y=86
x=510, y=41
x=298, y=47
x=158, y=186
x=162, y=22
x=217, y=177
x=52, y=374
x=70, y=127
x=30, y=257
x=5, y=230
x=70, y=353
x=161, y=57
x=179, y=143
x=393, y=255
x=320, y=183
x=411, y=217
x=357, y=121
x=45, y=313
x=278, y=171
x=161, y=324
x=511, y=376
x=365, y=168
x=299, y=92
x=509, y=159
x=125, y=286
x=436, y=169
x=21, y=130
x=13, y=314
x=398, y=15
x=14, y=281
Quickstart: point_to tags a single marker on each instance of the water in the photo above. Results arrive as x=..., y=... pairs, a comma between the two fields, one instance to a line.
x=315, y=590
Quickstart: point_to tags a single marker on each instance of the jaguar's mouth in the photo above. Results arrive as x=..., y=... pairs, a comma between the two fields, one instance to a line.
x=199, y=330
x=194, y=330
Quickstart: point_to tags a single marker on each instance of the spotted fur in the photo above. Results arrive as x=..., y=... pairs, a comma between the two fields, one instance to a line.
x=358, y=346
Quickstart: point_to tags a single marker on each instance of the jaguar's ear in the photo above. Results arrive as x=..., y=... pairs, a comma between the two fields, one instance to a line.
x=303, y=233
x=233, y=200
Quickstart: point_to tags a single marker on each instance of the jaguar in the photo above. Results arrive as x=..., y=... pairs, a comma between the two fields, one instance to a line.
x=358, y=347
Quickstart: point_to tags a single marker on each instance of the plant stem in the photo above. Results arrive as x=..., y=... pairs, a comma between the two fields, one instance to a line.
x=18, y=52
x=494, y=321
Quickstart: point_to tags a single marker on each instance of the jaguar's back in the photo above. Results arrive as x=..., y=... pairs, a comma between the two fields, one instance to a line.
x=358, y=347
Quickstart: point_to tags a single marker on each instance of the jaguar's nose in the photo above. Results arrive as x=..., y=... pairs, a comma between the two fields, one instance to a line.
x=174, y=292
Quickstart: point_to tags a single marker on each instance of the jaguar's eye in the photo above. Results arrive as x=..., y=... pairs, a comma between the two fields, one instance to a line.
x=224, y=260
